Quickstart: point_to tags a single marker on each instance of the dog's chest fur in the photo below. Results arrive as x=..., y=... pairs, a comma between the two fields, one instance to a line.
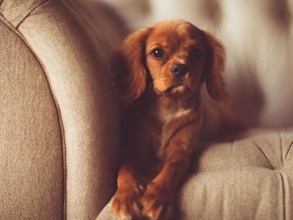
x=168, y=115
x=167, y=109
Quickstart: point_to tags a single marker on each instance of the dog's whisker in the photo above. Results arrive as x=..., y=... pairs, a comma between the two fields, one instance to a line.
x=150, y=87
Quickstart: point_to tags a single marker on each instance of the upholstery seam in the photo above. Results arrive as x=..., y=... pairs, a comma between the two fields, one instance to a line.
x=264, y=154
x=289, y=150
x=57, y=108
x=283, y=194
x=281, y=146
x=29, y=13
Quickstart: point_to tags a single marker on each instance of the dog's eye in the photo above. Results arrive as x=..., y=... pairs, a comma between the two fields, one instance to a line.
x=158, y=53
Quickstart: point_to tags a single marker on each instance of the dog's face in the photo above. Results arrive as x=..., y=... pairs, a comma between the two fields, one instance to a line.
x=175, y=58
x=175, y=55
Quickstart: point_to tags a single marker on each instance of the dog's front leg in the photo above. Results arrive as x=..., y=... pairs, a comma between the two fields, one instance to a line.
x=135, y=157
x=159, y=197
x=126, y=199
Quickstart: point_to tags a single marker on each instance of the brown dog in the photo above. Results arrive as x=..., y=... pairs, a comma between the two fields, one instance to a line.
x=159, y=73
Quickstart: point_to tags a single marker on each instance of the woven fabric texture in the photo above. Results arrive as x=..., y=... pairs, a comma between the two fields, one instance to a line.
x=31, y=166
x=73, y=98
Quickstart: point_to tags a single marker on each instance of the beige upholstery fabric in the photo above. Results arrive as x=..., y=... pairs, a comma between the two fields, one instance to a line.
x=31, y=149
x=250, y=178
x=40, y=177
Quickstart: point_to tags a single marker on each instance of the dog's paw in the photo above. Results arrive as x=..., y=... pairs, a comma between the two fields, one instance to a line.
x=157, y=203
x=126, y=203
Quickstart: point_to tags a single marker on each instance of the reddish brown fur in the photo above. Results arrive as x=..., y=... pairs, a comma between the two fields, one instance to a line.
x=164, y=115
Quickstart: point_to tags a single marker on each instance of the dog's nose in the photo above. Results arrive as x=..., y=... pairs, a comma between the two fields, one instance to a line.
x=179, y=70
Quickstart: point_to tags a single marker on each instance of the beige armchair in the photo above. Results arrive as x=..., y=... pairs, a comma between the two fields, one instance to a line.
x=59, y=138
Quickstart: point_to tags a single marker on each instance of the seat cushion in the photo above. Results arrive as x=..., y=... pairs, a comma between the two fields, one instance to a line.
x=249, y=178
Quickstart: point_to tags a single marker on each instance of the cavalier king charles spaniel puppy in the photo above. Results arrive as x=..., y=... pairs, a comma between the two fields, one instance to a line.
x=158, y=74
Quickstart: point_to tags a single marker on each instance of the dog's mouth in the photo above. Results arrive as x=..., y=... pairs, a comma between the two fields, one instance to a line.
x=177, y=90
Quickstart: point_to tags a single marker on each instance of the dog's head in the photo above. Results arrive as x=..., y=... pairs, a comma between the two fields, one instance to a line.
x=175, y=56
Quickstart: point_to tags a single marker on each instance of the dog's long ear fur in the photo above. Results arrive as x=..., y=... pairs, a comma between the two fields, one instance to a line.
x=129, y=69
x=216, y=59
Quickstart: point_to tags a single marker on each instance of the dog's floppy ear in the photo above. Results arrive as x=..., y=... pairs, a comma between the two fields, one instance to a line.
x=128, y=67
x=216, y=58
